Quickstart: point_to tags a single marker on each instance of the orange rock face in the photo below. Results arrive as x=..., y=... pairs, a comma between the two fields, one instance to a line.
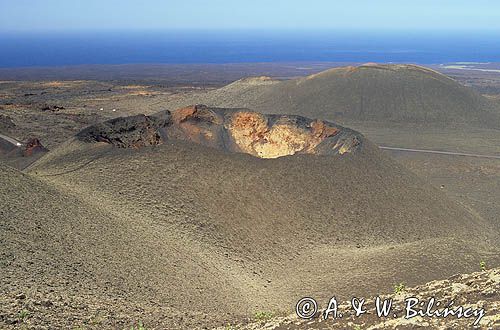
x=255, y=135
x=184, y=113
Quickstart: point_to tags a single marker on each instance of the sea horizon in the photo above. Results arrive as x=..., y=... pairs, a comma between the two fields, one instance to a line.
x=45, y=48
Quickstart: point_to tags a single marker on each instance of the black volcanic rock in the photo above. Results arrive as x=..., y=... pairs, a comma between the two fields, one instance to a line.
x=125, y=132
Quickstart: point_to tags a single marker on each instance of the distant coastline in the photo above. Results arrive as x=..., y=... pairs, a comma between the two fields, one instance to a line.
x=211, y=74
x=189, y=47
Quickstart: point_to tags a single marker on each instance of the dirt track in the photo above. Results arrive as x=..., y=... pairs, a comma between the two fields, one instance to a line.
x=440, y=152
x=11, y=140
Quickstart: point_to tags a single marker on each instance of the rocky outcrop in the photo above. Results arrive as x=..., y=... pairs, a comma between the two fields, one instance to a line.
x=232, y=130
x=478, y=294
x=53, y=108
x=20, y=155
x=33, y=146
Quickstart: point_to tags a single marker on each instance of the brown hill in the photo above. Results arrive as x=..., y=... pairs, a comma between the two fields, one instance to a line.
x=181, y=235
x=370, y=92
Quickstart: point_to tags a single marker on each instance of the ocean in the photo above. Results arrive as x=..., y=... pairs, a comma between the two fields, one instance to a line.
x=124, y=47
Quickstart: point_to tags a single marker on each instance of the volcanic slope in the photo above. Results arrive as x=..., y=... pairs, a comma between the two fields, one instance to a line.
x=207, y=236
x=371, y=92
x=70, y=261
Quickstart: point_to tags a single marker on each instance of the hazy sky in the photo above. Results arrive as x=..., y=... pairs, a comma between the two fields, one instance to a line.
x=41, y=15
